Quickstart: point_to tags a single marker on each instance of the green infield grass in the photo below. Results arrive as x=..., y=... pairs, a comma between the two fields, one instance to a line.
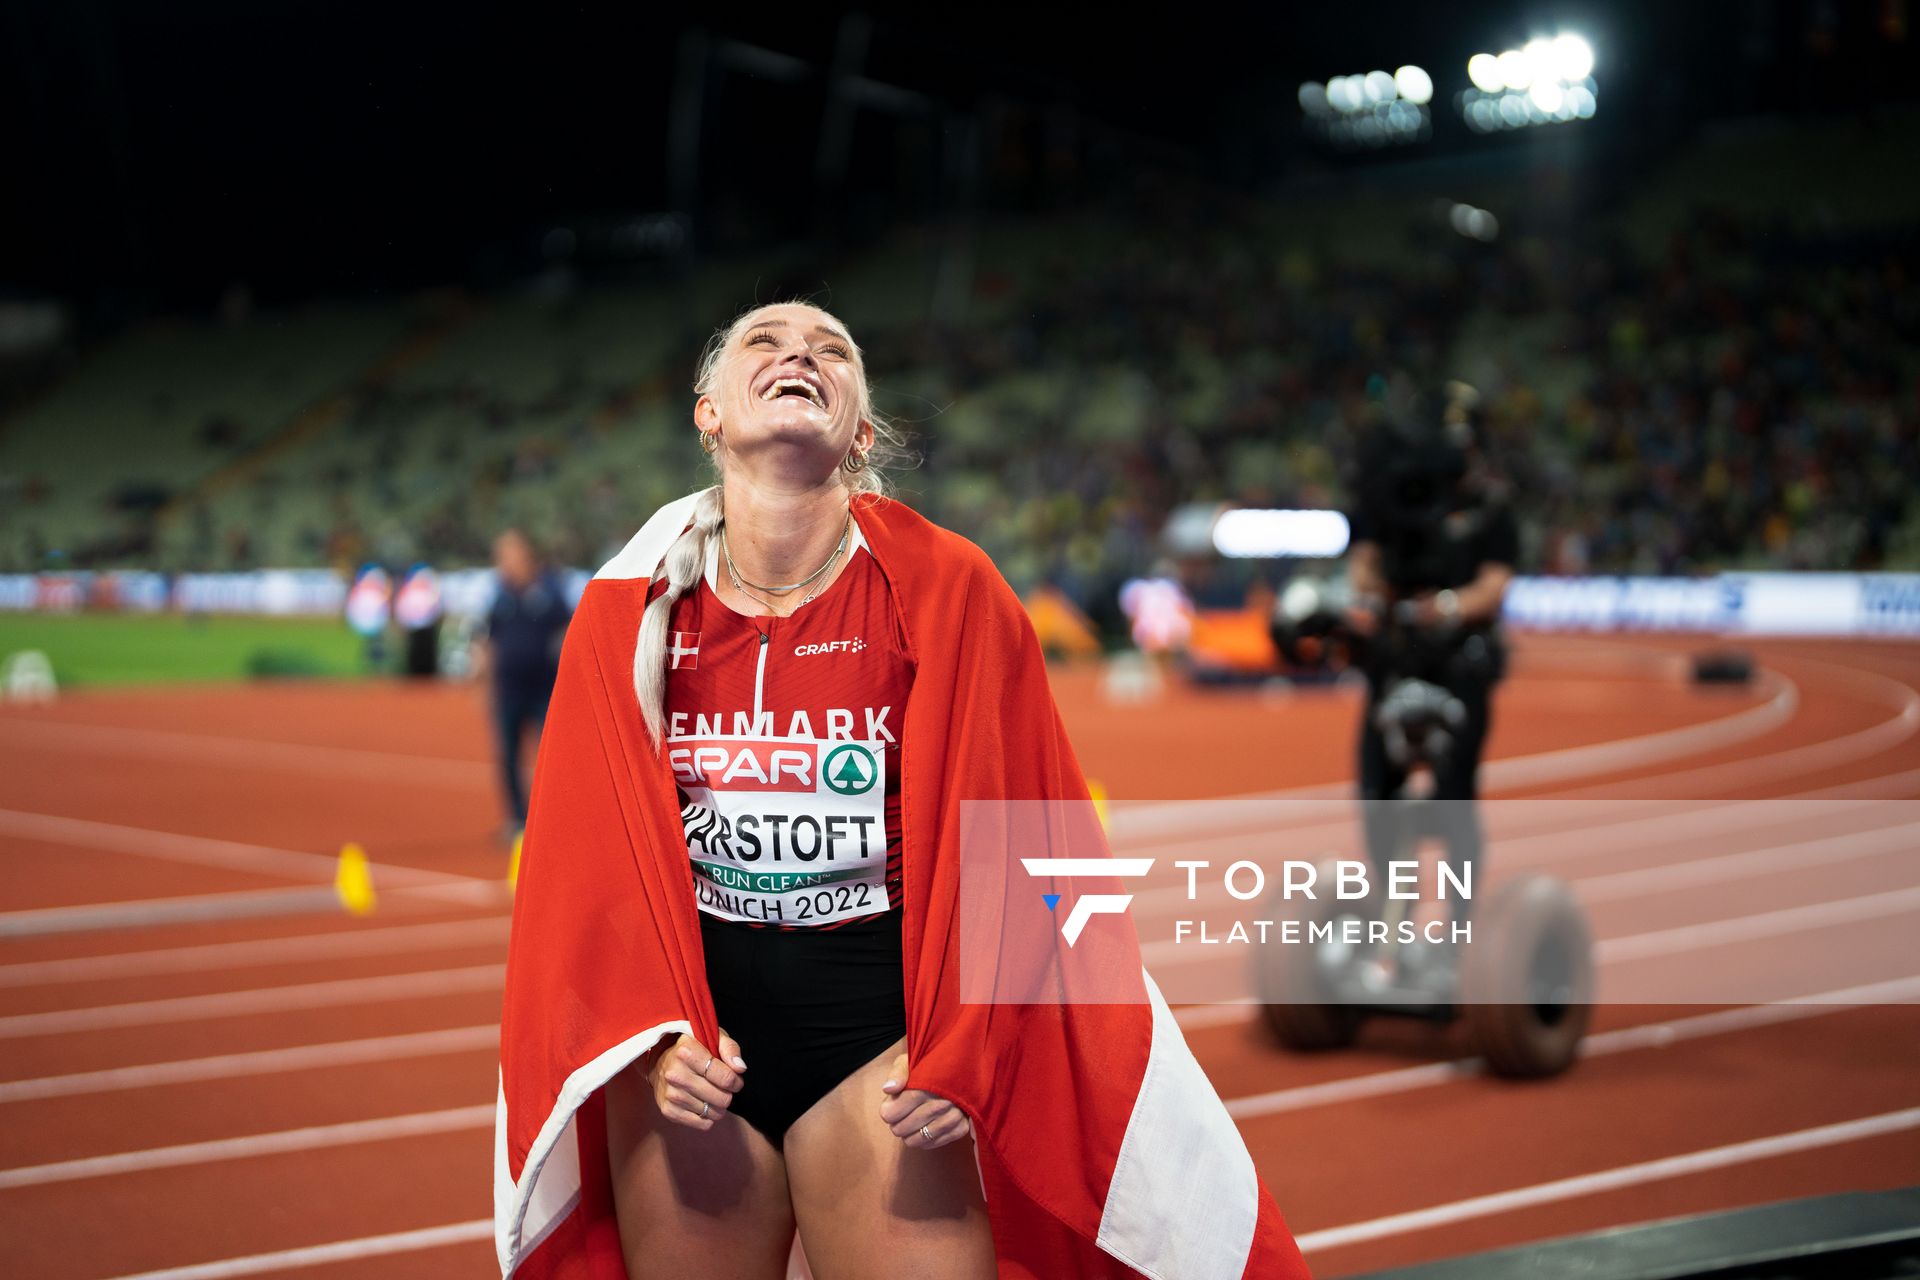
x=108, y=649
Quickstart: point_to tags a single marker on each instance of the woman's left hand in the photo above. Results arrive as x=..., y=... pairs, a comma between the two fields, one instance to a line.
x=915, y=1116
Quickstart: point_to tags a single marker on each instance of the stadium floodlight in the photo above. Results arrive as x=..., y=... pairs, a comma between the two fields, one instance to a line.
x=1547, y=81
x=1415, y=85
x=1572, y=58
x=1515, y=71
x=1484, y=70
x=1249, y=533
x=1370, y=108
x=1540, y=59
x=1474, y=223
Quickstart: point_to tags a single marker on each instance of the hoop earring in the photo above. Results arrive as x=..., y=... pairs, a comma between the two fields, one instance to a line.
x=709, y=440
x=855, y=461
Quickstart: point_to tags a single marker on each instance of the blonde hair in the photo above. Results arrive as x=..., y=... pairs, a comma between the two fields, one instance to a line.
x=686, y=559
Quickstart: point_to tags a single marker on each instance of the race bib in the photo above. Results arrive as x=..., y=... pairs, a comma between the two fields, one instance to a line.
x=785, y=831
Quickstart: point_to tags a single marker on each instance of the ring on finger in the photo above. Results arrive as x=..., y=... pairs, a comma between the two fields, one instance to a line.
x=707, y=1068
x=705, y=1106
x=926, y=1133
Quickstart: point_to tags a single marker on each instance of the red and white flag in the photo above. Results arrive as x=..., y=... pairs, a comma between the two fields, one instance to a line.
x=1113, y=1156
x=683, y=650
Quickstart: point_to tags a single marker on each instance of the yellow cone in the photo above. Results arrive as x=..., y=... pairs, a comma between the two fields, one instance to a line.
x=513, y=863
x=353, y=880
x=1098, y=794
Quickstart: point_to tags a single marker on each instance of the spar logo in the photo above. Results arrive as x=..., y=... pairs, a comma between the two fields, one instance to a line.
x=854, y=645
x=850, y=770
x=1086, y=905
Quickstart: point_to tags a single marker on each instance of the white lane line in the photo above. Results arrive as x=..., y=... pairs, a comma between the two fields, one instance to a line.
x=1649, y=1036
x=1799, y=856
x=242, y=904
x=384, y=940
x=231, y=1004
x=1632, y=1175
x=1583, y=830
x=1625, y=883
x=203, y=850
x=320, y=1254
x=1765, y=924
x=113, y=837
x=1667, y=823
x=452, y=1120
x=302, y=758
x=1793, y=762
x=1173, y=820
x=1569, y=825
x=449, y=981
x=239, y=905
x=1647, y=749
x=1573, y=832
x=1137, y=828
x=1653, y=1035
x=232, y=1066
x=1167, y=953
x=1138, y=824
x=1904, y=785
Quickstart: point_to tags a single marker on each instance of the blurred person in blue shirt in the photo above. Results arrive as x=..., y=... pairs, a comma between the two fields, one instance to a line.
x=517, y=651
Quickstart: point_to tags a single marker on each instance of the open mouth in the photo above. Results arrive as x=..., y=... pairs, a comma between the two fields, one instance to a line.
x=800, y=387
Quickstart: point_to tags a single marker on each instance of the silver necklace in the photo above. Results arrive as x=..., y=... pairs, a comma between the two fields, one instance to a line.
x=740, y=584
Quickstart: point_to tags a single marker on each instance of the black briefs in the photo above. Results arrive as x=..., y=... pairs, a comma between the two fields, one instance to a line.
x=809, y=1007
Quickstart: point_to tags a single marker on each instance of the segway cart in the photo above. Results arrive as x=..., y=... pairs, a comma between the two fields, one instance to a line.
x=1523, y=987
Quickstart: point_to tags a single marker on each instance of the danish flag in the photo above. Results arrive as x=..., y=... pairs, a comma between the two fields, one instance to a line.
x=683, y=648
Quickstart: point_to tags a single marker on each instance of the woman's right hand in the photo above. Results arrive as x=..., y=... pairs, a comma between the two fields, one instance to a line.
x=694, y=1086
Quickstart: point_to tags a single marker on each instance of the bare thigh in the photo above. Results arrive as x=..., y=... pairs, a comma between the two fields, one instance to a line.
x=871, y=1207
x=694, y=1203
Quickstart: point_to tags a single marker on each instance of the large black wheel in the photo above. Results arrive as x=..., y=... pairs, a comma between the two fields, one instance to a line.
x=1526, y=980
x=1295, y=980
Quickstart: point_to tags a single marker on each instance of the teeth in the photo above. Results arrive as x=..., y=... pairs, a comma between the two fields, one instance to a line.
x=782, y=385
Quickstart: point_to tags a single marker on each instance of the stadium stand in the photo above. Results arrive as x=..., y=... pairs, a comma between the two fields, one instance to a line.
x=1764, y=367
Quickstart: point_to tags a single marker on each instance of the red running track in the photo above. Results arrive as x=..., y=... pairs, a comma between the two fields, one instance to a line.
x=310, y=1093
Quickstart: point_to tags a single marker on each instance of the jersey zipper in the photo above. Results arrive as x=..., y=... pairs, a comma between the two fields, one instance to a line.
x=760, y=676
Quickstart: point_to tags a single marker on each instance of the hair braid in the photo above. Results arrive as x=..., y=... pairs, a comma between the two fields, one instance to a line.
x=686, y=561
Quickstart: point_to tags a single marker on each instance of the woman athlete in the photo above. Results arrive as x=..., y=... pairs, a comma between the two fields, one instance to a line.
x=738, y=997
x=714, y=1163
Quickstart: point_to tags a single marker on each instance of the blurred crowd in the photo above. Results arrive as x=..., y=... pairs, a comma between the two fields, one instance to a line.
x=1727, y=393
x=1750, y=402
x=1743, y=396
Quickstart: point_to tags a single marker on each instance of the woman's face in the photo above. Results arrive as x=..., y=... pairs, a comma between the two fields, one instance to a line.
x=790, y=381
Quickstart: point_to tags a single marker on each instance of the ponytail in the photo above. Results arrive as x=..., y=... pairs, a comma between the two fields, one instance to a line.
x=686, y=561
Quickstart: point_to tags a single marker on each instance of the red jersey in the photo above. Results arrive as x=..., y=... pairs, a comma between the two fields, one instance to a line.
x=783, y=735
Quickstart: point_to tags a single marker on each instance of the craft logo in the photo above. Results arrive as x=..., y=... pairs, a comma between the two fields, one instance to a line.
x=850, y=770
x=854, y=645
x=1086, y=905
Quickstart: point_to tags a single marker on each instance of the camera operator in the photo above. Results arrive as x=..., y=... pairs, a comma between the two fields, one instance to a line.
x=1432, y=551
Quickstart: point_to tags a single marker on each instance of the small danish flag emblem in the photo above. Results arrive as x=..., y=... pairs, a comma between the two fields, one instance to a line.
x=683, y=650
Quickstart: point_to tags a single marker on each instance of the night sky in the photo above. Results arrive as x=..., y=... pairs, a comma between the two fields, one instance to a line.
x=162, y=151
